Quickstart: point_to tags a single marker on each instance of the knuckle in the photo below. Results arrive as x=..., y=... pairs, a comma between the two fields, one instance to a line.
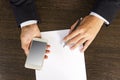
x=87, y=34
x=81, y=31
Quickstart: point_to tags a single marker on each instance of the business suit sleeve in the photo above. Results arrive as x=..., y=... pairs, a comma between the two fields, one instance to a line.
x=107, y=8
x=24, y=10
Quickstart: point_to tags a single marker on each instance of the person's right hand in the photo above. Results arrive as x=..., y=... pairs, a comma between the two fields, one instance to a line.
x=27, y=35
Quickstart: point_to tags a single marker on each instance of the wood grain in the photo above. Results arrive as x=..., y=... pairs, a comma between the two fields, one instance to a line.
x=102, y=57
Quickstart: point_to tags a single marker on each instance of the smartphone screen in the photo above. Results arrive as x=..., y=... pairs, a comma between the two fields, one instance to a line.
x=36, y=55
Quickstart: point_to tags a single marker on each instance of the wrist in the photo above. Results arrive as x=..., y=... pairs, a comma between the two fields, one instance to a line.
x=93, y=21
x=96, y=19
x=32, y=27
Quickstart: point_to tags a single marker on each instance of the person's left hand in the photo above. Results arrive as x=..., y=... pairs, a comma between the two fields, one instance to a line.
x=85, y=32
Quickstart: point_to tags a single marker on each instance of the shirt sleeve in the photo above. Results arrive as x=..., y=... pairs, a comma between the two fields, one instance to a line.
x=29, y=22
x=107, y=8
x=97, y=15
x=24, y=10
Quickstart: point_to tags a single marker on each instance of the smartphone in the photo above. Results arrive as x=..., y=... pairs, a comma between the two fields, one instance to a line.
x=35, y=57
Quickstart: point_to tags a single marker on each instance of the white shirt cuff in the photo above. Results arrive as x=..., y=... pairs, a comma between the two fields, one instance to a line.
x=29, y=22
x=97, y=15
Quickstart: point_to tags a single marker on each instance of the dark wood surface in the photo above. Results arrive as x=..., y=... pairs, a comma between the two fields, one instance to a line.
x=102, y=57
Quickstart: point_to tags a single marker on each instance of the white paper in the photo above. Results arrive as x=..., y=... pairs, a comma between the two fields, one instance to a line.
x=62, y=64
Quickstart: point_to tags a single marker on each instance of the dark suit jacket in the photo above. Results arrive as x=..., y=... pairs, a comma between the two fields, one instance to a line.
x=107, y=8
x=25, y=9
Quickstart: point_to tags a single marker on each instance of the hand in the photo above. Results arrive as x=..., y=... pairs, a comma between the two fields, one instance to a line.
x=27, y=35
x=85, y=32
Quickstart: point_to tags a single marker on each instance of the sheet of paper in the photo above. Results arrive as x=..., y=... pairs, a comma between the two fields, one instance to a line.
x=62, y=64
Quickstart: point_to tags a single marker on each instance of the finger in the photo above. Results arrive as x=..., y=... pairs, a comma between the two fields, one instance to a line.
x=75, y=39
x=47, y=51
x=45, y=57
x=48, y=46
x=73, y=26
x=78, y=43
x=38, y=35
x=29, y=45
x=71, y=35
x=85, y=46
x=24, y=47
x=26, y=50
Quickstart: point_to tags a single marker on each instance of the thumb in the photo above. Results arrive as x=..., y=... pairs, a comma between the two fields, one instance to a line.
x=26, y=49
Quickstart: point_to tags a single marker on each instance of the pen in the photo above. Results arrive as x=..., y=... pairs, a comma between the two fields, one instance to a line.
x=78, y=23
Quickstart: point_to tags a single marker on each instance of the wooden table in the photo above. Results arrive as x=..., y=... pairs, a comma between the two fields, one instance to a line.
x=102, y=57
